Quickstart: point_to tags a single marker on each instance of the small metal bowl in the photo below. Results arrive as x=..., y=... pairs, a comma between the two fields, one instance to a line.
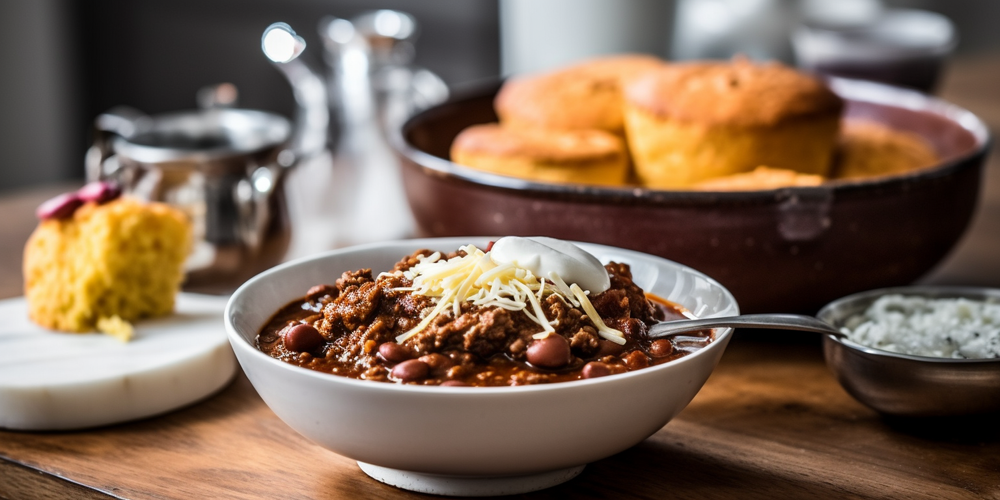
x=905, y=385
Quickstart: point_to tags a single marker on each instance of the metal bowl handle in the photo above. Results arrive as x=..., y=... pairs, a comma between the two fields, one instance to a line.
x=121, y=121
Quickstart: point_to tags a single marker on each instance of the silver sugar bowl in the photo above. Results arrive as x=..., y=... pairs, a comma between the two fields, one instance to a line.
x=224, y=167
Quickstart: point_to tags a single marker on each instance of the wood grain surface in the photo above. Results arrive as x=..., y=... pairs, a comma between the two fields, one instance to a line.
x=770, y=423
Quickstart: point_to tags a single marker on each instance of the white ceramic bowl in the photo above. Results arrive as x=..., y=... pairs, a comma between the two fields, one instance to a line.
x=472, y=431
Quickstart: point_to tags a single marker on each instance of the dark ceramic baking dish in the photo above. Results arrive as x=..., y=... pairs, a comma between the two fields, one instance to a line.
x=789, y=250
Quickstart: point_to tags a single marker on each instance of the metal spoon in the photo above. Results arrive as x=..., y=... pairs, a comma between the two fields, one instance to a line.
x=774, y=321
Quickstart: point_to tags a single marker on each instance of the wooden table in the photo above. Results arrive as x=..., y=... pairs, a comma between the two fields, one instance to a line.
x=770, y=423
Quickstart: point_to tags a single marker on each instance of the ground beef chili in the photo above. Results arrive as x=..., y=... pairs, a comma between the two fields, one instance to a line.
x=349, y=329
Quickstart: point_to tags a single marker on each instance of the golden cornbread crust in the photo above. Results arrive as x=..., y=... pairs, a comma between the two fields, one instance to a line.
x=739, y=93
x=550, y=146
x=584, y=156
x=673, y=154
x=761, y=178
x=869, y=149
x=121, y=259
x=688, y=123
x=581, y=97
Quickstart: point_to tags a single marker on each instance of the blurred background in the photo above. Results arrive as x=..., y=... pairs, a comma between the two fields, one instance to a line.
x=66, y=61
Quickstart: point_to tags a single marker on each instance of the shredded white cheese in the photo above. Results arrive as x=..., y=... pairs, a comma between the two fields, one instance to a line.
x=602, y=329
x=477, y=279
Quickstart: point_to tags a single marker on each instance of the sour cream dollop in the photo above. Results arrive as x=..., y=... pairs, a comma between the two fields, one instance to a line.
x=542, y=255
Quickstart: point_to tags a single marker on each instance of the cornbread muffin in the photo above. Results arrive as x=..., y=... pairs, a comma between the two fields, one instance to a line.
x=690, y=122
x=579, y=156
x=105, y=264
x=585, y=96
x=760, y=178
x=869, y=149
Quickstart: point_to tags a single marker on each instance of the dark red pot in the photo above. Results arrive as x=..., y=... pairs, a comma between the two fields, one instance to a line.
x=789, y=250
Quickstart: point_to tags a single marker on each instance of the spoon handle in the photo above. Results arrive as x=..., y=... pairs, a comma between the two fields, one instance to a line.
x=772, y=321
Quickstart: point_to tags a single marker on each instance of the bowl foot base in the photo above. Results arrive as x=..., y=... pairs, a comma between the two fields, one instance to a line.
x=467, y=486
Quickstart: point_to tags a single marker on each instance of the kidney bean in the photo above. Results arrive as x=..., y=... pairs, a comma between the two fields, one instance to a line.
x=99, y=192
x=596, y=369
x=636, y=360
x=453, y=383
x=550, y=352
x=393, y=352
x=661, y=348
x=411, y=370
x=302, y=338
x=60, y=207
x=608, y=348
x=436, y=361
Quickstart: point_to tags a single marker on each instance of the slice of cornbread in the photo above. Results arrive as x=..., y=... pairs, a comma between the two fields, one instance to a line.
x=870, y=149
x=116, y=261
x=690, y=122
x=575, y=156
x=585, y=96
